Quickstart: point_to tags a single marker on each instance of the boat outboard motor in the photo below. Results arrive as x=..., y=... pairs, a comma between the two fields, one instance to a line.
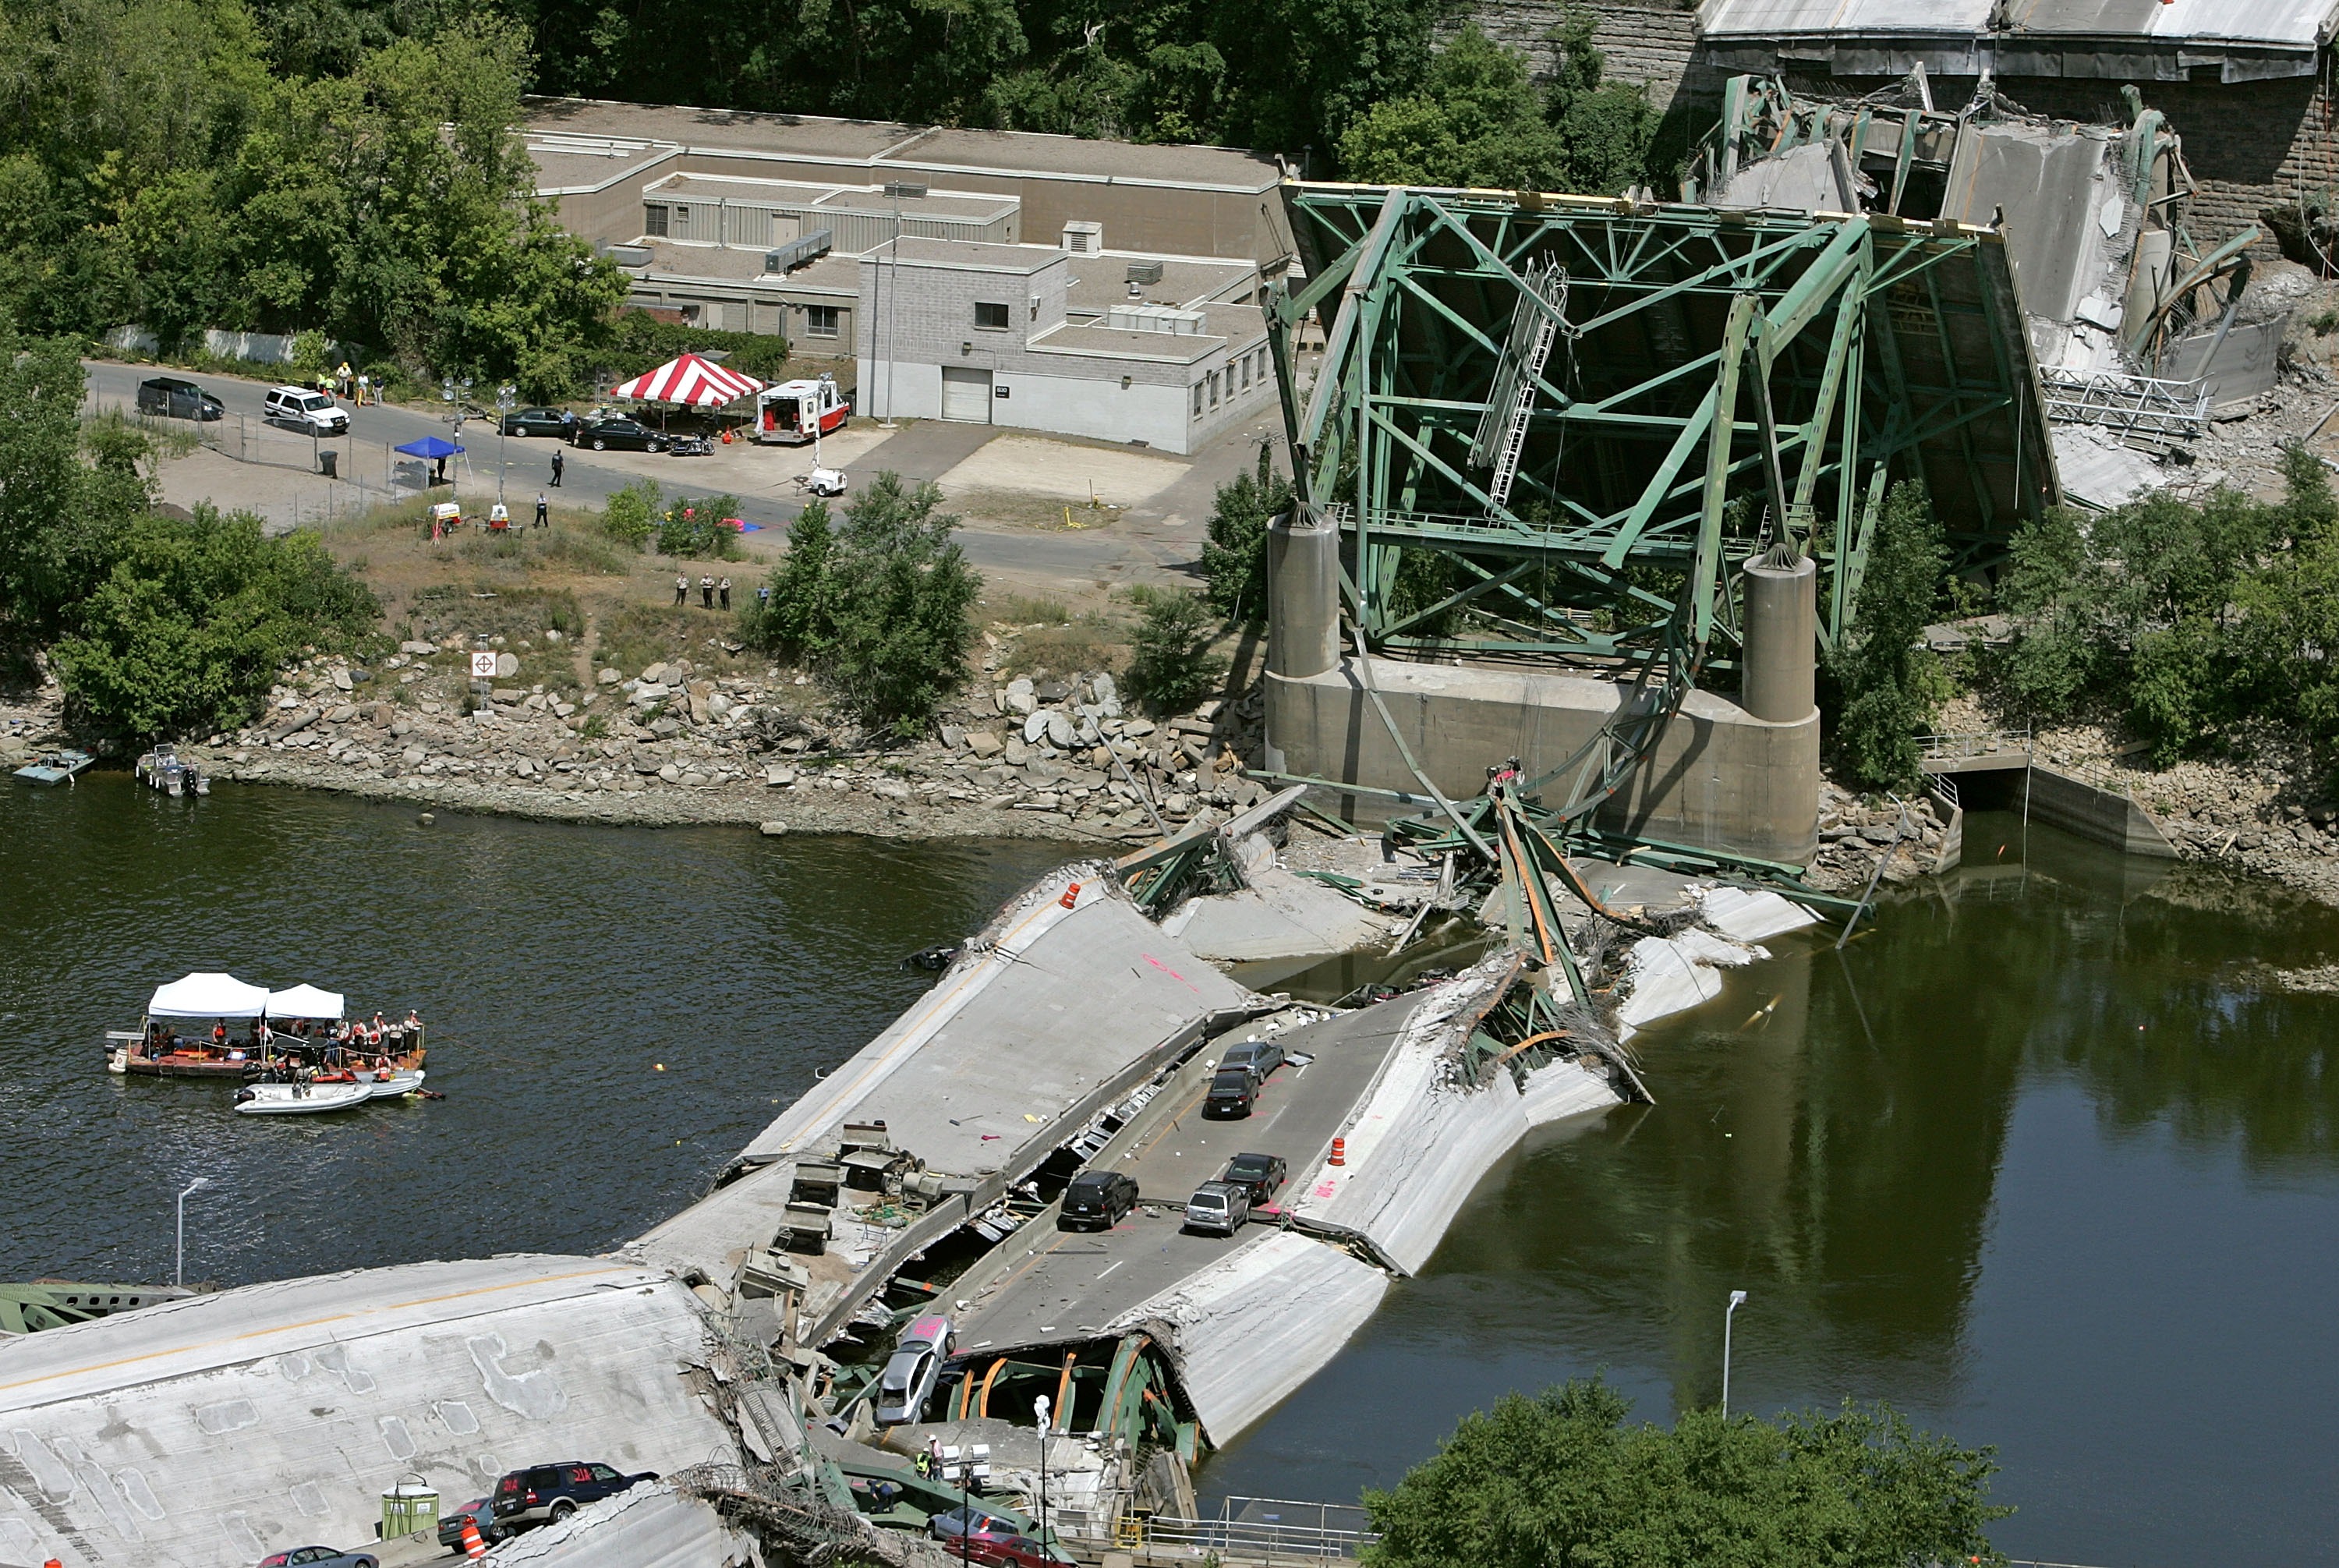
x=245, y=1094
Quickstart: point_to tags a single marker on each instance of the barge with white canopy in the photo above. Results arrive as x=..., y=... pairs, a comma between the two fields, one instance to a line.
x=213, y=1025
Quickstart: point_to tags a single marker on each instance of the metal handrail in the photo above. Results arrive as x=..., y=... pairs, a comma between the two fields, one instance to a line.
x=1973, y=743
x=1246, y=1540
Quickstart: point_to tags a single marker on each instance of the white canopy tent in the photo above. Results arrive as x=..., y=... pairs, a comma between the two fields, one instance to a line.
x=208, y=996
x=305, y=1002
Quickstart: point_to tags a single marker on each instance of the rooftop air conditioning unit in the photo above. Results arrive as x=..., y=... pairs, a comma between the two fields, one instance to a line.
x=1145, y=272
x=1084, y=239
x=627, y=255
x=797, y=252
x=1154, y=319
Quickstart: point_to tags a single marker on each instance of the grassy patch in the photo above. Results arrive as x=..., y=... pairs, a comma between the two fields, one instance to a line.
x=1091, y=643
x=639, y=636
x=1020, y=610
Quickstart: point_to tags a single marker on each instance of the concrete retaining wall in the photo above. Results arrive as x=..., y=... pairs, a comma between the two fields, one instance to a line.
x=2097, y=816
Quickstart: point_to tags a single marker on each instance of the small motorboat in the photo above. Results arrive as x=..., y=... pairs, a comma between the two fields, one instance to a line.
x=300, y=1099
x=54, y=767
x=163, y=769
x=394, y=1084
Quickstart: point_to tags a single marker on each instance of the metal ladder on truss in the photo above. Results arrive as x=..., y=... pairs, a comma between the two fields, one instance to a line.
x=1499, y=446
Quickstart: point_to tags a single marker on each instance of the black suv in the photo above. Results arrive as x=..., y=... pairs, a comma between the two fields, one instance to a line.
x=174, y=399
x=1098, y=1197
x=547, y=1494
x=1262, y=1175
x=1233, y=1091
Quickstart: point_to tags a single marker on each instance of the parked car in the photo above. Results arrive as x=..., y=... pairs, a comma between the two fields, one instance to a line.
x=479, y=1511
x=312, y=413
x=976, y=1525
x=317, y=1557
x=174, y=399
x=1259, y=1175
x=539, y=422
x=545, y=1494
x=909, y=1378
x=1233, y=1091
x=1101, y=1198
x=622, y=435
x=1261, y=1056
x=1015, y=1552
x=1219, y=1206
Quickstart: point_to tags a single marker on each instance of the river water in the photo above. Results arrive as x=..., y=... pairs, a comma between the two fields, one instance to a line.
x=2040, y=1159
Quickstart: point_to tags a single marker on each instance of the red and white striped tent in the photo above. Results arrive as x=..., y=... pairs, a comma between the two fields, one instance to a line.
x=688, y=380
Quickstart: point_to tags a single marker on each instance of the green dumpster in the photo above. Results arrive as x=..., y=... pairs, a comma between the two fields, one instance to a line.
x=408, y=1507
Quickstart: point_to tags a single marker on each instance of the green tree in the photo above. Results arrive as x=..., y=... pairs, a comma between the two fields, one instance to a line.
x=188, y=630
x=699, y=528
x=1171, y=667
x=60, y=517
x=901, y=594
x=800, y=621
x=631, y=514
x=1883, y=688
x=1477, y=121
x=1234, y=554
x=1607, y=127
x=1562, y=1479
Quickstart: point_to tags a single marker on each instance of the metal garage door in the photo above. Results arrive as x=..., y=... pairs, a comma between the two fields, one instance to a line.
x=966, y=395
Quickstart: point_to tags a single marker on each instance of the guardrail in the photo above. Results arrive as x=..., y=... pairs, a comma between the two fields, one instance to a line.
x=1262, y=1529
x=1974, y=744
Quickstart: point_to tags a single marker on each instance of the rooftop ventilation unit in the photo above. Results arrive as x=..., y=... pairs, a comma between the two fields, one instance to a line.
x=627, y=255
x=1084, y=239
x=797, y=252
x=1154, y=319
x=1145, y=272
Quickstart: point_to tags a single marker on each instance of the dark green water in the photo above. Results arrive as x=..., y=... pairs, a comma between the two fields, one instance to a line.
x=2037, y=1159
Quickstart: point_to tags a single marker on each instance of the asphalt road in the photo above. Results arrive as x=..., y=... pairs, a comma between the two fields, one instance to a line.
x=1079, y=1281
x=1157, y=541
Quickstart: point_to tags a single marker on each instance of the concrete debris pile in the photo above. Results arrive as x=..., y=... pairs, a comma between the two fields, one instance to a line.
x=1910, y=841
x=2132, y=325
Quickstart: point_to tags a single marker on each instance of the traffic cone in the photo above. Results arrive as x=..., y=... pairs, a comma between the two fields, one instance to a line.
x=1339, y=1151
x=473, y=1547
x=1071, y=896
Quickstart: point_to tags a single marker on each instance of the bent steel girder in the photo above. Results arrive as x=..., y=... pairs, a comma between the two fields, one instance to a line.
x=1709, y=371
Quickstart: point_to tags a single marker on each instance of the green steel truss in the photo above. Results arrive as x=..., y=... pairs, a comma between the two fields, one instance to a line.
x=1710, y=371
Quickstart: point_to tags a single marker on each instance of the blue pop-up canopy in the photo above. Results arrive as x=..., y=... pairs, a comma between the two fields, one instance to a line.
x=431, y=447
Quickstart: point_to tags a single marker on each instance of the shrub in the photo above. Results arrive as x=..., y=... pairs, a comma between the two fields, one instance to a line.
x=1883, y=689
x=631, y=514
x=1173, y=667
x=898, y=593
x=186, y=633
x=698, y=529
x=799, y=622
x=1234, y=554
x=639, y=342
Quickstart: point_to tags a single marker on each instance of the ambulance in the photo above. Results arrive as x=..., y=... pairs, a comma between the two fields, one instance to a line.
x=794, y=413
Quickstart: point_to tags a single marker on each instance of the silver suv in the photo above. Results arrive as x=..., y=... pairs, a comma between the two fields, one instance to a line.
x=311, y=411
x=1219, y=1206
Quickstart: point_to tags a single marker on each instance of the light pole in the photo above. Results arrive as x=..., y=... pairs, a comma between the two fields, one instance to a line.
x=1737, y=1300
x=895, y=190
x=507, y=396
x=455, y=393
x=178, y=1274
x=1040, y=1408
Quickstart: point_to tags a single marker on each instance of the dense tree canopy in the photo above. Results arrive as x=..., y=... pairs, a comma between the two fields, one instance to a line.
x=1561, y=1481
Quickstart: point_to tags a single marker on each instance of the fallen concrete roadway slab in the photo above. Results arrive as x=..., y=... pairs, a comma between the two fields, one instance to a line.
x=212, y=1431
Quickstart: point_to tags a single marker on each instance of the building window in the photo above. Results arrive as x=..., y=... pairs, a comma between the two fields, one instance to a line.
x=989, y=318
x=1198, y=399
x=1214, y=388
x=654, y=218
x=820, y=320
x=1245, y=372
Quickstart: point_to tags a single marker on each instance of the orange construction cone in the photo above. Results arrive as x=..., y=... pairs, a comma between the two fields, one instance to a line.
x=1071, y=896
x=1339, y=1151
x=473, y=1547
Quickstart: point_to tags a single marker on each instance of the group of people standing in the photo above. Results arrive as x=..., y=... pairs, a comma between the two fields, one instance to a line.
x=709, y=588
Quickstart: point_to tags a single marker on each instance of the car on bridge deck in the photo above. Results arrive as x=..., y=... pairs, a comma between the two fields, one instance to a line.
x=1016, y=1552
x=547, y=1494
x=1219, y=1206
x=481, y=1515
x=1261, y=1056
x=1261, y=1175
x=1098, y=1197
x=986, y=1528
x=916, y=1366
x=317, y=1557
x=1233, y=1091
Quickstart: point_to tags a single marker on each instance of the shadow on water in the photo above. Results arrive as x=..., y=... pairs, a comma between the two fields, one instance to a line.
x=2036, y=1157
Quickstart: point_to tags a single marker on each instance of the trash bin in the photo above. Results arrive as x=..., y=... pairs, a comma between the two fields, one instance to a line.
x=408, y=1507
x=329, y=463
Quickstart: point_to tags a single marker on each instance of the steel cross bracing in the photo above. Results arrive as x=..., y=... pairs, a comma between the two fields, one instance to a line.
x=1726, y=370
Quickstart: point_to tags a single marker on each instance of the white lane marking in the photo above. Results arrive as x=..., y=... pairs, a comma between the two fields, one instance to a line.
x=1109, y=1270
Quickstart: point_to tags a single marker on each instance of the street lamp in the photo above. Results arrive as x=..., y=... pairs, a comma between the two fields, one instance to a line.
x=895, y=190
x=507, y=396
x=966, y=1497
x=455, y=394
x=1040, y=1408
x=1737, y=1300
x=178, y=1274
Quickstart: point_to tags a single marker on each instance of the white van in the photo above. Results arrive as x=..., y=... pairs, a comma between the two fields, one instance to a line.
x=309, y=411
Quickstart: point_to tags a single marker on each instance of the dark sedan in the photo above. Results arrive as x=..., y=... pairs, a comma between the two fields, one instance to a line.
x=175, y=399
x=478, y=1513
x=539, y=422
x=618, y=435
x=1262, y=1175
